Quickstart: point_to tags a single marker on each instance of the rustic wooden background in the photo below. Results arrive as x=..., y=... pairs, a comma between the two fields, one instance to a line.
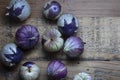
x=99, y=28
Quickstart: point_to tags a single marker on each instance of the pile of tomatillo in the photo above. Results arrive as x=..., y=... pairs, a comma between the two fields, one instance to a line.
x=53, y=40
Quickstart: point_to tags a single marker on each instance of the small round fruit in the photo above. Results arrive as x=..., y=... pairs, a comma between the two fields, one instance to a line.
x=29, y=71
x=18, y=10
x=73, y=47
x=52, y=41
x=67, y=24
x=27, y=36
x=82, y=76
x=57, y=70
x=52, y=10
x=11, y=55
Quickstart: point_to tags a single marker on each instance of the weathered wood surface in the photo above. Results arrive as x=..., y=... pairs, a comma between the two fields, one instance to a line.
x=101, y=57
x=80, y=8
x=99, y=70
x=100, y=34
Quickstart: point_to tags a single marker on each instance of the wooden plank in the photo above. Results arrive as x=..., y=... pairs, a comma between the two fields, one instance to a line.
x=99, y=70
x=91, y=8
x=100, y=34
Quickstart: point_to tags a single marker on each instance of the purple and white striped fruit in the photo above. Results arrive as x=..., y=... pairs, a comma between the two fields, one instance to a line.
x=82, y=76
x=29, y=71
x=11, y=55
x=27, y=36
x=73, y=47
x=52, y=10
x=67, y=24
x=57, y=70
x=18, y=10
x=52, y=41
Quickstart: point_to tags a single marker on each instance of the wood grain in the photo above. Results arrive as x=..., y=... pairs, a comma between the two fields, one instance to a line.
x=99, y=70
x=91, y=8
x=101, y=36
x=100, y=58
x=99, y=27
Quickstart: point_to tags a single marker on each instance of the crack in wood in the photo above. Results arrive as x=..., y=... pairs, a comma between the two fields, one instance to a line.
x=65, y=59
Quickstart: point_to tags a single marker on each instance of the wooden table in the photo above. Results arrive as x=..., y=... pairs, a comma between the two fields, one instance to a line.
x=99, y=28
